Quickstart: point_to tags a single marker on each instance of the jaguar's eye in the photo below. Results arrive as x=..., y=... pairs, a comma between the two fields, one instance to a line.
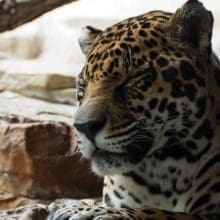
x=138, y=77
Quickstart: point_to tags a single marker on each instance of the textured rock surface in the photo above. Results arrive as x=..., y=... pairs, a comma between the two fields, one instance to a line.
x=39, y=160
x=51, y=87
x=32, y=109
x=41, y=81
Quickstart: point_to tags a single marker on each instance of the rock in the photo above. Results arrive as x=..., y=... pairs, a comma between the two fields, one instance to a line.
x=33, y=110
x=18, y=81
x=21, y=48
x=50, y=87
x=39, y=160
x=63, y=96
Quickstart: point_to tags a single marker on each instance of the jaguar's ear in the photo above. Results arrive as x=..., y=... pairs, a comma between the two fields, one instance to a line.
x=192, y=24
x=87, y=38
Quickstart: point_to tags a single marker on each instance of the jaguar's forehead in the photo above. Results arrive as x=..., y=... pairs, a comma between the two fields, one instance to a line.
x=126, y=43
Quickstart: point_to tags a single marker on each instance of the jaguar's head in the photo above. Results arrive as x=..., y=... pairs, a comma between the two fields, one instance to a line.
x=144, y=87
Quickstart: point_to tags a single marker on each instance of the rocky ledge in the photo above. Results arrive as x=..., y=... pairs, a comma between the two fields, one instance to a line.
x=39, y=160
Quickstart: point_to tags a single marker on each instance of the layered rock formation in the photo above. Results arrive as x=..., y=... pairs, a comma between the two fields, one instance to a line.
x=55, y=88
x=39, y=160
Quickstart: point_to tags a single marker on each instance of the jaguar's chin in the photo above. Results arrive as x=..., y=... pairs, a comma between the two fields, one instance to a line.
x=108, y=163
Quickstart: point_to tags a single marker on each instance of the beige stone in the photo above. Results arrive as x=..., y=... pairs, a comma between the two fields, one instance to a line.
x=59, y=96
x=19, y=81
x=50, y=87
x=64, y=96
x=33, y=110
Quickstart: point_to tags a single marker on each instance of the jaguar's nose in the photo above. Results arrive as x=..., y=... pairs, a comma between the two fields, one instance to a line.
x=90, y=128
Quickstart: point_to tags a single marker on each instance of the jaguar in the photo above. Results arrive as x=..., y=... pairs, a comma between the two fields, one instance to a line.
x=148, y=118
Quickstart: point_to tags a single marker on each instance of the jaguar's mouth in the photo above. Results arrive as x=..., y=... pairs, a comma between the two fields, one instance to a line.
x=100, y=153
x=128, y=154
x=105, y=162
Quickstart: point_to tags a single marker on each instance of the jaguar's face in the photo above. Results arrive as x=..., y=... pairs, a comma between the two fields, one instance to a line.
x=110, y=128
x=138, y=92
